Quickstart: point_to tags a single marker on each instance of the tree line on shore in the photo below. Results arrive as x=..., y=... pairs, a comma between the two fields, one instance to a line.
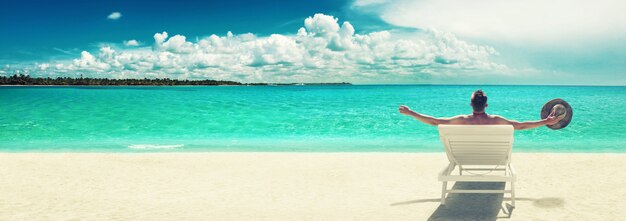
x=27, y=80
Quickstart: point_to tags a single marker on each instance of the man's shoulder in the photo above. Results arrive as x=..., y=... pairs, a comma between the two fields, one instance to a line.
x=499, y=119
x=496, y=116
x=462, y=116
x=461, y=119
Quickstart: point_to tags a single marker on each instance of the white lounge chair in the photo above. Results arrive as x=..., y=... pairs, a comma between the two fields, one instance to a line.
x=483, y=152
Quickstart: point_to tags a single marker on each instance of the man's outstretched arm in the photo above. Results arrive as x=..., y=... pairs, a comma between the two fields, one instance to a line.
x=551, y=119
x=423, y=118
x=527, y=124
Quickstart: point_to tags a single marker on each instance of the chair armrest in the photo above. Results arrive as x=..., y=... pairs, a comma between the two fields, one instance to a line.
x=512, y=170
x=448, y=170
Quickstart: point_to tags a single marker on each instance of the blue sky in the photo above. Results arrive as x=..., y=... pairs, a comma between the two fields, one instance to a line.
x=366, y=41
x=42, y=25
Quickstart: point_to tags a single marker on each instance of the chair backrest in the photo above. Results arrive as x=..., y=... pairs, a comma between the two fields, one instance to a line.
x=477, y=144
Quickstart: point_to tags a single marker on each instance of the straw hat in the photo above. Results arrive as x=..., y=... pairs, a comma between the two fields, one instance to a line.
x=563, y=112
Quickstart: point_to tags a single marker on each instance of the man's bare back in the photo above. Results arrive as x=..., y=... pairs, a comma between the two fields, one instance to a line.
x=478, y=119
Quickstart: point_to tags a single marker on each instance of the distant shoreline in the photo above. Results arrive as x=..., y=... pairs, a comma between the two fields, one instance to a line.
x=26, y=80
x=146, y=85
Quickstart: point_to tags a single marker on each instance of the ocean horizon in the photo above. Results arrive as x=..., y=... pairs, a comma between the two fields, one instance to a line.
x=328, y=118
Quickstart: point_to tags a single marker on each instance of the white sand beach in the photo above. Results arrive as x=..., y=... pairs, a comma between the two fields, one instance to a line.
x=297, y=186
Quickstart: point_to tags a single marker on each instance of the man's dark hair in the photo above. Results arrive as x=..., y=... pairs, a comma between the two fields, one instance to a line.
x=479, y=101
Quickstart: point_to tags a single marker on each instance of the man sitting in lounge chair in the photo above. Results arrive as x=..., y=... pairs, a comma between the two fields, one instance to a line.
x=479, y=117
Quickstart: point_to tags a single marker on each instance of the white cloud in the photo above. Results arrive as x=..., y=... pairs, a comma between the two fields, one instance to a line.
x=114, y=16
x=321, y=51
x=43, y=66
x=321, y=25
x=132, y=43
x=176, y=44
x=523, y=22
x=368, y=2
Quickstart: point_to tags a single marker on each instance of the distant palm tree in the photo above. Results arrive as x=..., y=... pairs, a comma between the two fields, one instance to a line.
x=22, y=79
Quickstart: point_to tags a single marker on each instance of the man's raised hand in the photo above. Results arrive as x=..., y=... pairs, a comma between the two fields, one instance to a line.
x=404, y=110
x=552, y=119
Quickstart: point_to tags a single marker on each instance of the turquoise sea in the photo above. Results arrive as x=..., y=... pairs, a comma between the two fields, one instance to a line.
x=290, y=118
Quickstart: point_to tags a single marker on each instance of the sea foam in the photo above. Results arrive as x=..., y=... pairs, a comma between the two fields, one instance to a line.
x=154, y=146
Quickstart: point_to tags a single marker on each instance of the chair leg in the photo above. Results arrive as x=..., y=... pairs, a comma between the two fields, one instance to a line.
x=513, y=194
x=443, y=192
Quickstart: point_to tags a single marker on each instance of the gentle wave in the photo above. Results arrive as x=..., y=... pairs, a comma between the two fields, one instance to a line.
x=154, y=146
